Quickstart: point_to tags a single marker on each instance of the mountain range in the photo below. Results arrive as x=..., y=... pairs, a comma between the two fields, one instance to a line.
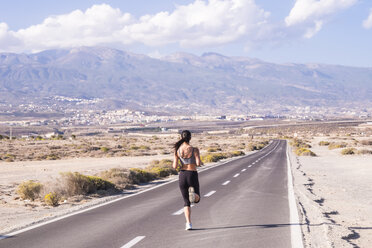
x=181, y=82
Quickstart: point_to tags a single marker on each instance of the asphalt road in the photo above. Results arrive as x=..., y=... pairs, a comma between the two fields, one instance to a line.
x=244, y=204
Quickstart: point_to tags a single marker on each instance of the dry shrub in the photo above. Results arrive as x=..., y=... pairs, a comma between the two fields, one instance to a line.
x=134, y=147
x=104, y=149
x=304, y=152
x=29, y=190
x=210, y=158
x=79, y=184
x=52, y=156
x=214, y=149
x=215, y=157
x=237, y=153
x=257, y=145
x=119, y=177
x=162, y=168
x=324, y=143
x=211, y=149
x=143, y=147
x=9, y=157
x=335, y=145
x=299, y=143
x=52, y=199
x=364, y=151
x=348, y=151
x=141, y=176
x=124, y=178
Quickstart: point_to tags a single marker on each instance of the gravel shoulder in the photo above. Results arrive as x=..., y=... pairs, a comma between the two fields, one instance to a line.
x=334, y=196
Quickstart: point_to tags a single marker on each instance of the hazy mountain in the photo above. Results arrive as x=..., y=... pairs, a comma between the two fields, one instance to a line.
x=179, y=82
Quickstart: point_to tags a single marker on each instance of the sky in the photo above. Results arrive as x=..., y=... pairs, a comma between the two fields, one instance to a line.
x=286, y=31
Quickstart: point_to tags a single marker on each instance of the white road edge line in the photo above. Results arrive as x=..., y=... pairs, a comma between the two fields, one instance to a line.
x=7, y=235
x=296, y=234
x=133, y=242
x=210, y=193
x=236, y=175
x=226, y=183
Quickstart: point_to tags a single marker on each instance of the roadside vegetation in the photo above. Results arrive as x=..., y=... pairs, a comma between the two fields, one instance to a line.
x=337, y=145
x=215, y=157
x=253, y=146
x=348, y=151
x=324, y=143
x=109, y=182
x=301, y=148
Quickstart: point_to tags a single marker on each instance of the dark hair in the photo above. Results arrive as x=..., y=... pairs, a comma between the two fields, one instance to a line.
x=185, y=137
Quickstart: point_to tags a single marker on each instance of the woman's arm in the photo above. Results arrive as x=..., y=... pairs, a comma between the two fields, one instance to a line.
x=175, y=161
x=197, y=157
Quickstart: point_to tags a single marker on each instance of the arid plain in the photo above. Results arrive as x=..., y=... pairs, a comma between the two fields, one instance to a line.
x=331, y=165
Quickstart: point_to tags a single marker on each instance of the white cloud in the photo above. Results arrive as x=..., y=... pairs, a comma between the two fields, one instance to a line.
x=312, y=13
x=97, y=25
x=367, y=23
x=313, y=30
x=8, y=41
x=201, y=23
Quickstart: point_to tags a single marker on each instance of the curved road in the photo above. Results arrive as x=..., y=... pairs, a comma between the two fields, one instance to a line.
x=244, y=204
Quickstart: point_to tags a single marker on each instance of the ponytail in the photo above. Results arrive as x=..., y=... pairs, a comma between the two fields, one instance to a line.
x=185, y=137
x=178, y=144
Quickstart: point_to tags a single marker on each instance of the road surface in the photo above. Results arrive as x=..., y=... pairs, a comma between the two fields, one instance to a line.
x=244, y=204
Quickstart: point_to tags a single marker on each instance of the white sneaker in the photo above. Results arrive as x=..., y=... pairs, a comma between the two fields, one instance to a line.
x=191, y=195
x=188, y=226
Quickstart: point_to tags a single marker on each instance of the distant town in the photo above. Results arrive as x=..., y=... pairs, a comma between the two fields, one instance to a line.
x=70, y=114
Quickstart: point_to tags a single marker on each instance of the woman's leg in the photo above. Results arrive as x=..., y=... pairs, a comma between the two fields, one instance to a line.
x=187, y=211
x=184, y=188
x=195, y=184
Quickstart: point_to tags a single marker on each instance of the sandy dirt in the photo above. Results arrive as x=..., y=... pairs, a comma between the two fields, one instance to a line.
x=16, y=172
x=15, y=213
x=335, y=197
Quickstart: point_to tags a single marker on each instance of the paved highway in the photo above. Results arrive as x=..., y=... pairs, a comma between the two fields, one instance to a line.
x=244, y=204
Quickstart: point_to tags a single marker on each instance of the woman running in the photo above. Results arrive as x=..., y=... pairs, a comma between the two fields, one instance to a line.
x=188, y=177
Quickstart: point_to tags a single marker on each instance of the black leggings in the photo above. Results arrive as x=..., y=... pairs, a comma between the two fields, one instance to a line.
x=188, y=179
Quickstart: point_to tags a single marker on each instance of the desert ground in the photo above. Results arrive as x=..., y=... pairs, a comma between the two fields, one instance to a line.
x=331, y=166
x=334, y=195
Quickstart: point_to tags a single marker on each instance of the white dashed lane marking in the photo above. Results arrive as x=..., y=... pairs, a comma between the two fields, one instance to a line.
x=226, y=183
x=210, y=193
x=236, y=175
x=133, y=242
x=244, y=170
x=179, y=212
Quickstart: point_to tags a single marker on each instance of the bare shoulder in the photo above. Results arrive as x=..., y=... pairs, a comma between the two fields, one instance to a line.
x=196, y=149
